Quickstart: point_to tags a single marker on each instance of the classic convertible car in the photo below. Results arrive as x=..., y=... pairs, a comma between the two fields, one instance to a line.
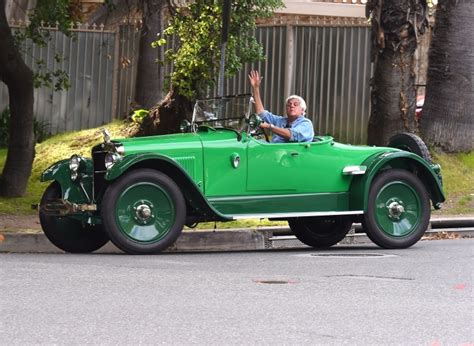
x=140, y=192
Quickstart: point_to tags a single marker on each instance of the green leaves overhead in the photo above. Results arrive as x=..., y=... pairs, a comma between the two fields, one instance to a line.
x=197, y=29
x=60, y=13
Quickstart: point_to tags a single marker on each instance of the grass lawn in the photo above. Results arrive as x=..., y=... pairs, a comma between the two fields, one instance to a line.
x=51, y=150
x=458, y=182
x=456, y=169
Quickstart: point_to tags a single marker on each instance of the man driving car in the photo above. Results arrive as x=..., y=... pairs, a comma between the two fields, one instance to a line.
x=295, y=127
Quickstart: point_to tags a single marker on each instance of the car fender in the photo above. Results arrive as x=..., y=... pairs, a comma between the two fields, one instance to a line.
x=360, y=186
x=191, y=191
x=58, y=171
x=72, y=191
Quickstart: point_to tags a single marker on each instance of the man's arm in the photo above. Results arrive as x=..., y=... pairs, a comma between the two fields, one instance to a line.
x=255, y=81
x=282, y=132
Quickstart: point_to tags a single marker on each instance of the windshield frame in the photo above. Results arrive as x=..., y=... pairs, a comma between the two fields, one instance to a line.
x=209, y=112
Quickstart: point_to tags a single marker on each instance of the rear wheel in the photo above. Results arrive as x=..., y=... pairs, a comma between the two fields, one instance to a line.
x=320, y=232
x=398, y=210
x=143, y=212
x=69, y=234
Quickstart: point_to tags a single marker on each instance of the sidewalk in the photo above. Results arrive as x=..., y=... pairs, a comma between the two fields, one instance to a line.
x=263, y=238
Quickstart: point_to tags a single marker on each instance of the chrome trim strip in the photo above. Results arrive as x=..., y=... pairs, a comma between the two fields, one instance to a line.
x=289, y=215
x=253, y=197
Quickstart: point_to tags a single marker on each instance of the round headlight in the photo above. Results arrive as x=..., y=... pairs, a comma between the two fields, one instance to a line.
x=110, y=159
x=74, y=164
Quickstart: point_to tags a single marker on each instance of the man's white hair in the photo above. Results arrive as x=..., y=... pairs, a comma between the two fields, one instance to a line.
x=300, y=99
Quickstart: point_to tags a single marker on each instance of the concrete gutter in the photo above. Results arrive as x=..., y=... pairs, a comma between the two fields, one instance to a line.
x=436, y=225
x=264, y=238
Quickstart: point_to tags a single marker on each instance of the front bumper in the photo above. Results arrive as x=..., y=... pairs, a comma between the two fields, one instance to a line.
x=62, y=207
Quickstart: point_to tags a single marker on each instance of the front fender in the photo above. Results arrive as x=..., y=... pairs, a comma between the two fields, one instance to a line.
x=71, y=190
x=201, y=208
x=128, y=161
x=58, y=171
x=360, y=186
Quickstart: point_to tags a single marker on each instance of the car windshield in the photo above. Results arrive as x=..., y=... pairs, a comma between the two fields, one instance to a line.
x=227, y=111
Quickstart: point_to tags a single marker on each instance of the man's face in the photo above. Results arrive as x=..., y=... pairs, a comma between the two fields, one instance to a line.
x=293, y=108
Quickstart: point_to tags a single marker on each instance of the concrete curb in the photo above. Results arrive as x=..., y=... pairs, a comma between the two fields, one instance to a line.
x=210, y=240
x=222, y=240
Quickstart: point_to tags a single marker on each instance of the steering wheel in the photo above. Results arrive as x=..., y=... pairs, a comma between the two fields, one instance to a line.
x=254, y=122
x=259, y=132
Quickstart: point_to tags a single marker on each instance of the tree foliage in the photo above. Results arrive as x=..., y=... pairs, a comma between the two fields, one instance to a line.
x=193, y=41
x=197, y=29
x=60, y=14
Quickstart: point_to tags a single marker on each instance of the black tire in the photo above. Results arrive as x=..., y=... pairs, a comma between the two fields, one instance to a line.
x=69, y=234
x=320, y=232
x=410, y=142
x=398, y=210
x=143, y=212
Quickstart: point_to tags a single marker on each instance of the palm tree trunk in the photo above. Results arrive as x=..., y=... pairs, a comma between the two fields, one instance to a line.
x=19, y=79
x=448, y=120
x=395, y=26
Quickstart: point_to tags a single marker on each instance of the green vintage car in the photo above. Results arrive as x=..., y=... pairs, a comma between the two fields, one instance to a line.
x=140, y=192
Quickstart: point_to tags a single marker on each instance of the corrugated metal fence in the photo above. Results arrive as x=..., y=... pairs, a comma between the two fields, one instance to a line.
x=88, y=57
x=328, y=66
x=100, y=71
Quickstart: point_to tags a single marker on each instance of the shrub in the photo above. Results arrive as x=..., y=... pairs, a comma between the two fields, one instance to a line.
x=139, y=115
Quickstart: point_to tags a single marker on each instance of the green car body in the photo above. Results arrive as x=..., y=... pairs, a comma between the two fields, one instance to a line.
x=217, y=173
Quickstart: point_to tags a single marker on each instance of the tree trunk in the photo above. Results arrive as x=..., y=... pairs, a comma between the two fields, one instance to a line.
x=167, y=116
x=448, y=120
x=19, y=79
x=395, y=25
x=148, y=89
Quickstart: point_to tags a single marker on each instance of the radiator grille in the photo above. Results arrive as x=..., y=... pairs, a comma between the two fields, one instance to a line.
x=98, y=160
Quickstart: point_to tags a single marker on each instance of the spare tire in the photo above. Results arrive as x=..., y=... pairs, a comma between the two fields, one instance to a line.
x=410, y=142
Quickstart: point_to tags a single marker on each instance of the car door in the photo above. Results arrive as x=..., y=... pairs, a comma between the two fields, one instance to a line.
x=221, y=176
x=277, y=167
x=286, y=168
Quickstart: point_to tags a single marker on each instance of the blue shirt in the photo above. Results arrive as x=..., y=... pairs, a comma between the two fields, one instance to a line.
x=301, y=129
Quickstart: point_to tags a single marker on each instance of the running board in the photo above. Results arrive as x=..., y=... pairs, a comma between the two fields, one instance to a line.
x=291, y=215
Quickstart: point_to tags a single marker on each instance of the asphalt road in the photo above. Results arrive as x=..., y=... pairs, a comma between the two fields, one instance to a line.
x=346, y=295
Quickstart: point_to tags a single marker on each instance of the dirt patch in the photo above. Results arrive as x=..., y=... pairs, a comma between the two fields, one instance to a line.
x=19, y=222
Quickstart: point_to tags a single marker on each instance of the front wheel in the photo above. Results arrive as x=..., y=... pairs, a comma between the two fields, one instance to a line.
x=143, y=212
x=398, y=210
x=320, y=232
x=66, y=233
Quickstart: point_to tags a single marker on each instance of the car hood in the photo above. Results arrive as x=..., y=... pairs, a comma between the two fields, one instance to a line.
x=164, y=144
